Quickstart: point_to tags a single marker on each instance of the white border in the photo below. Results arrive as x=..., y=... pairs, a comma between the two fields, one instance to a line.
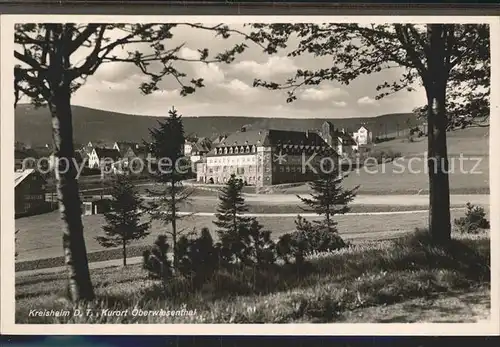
x=7, y=324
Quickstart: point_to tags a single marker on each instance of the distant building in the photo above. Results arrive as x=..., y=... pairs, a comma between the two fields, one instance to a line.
x=363, y=136
x=199, y=149
x=29, y=192
x=103, y=156
x=340, y=140
x=264, y=157
x=123, y=146
x=136, y=158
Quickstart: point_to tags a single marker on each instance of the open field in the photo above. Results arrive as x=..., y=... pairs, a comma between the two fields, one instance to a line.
x=40, y=235
x=353, y=284
x=469, y=174
x=469, y=142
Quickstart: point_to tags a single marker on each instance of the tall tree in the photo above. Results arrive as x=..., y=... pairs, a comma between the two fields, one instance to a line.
x=230, y=221
x=54, y=60
x=328, y=199
x=169, y=170
x=124, y=218
x=439, y=57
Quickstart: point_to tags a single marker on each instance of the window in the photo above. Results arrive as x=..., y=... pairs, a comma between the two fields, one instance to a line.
x=27, y=206
x=282, y=169
x=236, y=150
x=287, y=168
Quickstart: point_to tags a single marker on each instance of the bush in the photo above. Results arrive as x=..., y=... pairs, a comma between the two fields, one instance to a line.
x=198, y=257
x=473, y=221
x=259, y=247
x=307, y=239
x=155, y=261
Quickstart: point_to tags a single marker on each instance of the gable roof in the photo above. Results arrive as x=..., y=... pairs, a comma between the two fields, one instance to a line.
x=124, y=145
x=110, y=153
x=21, y=175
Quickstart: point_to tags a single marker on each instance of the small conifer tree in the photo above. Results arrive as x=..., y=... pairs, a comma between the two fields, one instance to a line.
x=230, y=222
x=124, y=218
x=328, y=199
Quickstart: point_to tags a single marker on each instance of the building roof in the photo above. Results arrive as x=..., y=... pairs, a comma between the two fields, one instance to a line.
x=20, y=175
x=124, y=145
x=110, y=153
x=347, y=139
x=271, y=137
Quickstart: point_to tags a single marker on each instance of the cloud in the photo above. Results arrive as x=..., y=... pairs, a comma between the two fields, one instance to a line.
x=273, y=66
x=366, y=100
x=239, y=88
x=211, y=73
x=323, y=93
x=188, y=53
x=339, y=103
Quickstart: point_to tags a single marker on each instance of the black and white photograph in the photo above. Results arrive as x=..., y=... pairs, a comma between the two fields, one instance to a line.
x=248, y=170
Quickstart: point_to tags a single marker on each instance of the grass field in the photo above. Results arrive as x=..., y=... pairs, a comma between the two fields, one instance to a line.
x=40, y=236
x=334, y=287
x=408, y=175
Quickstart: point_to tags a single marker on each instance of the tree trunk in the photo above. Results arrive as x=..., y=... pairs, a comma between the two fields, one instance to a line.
x=439, y=187
x=124, y=251
x=174, y=224
x=75, y=253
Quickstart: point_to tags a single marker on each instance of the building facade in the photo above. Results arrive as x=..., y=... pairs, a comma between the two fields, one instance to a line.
x=29, y=192
x=265, y=157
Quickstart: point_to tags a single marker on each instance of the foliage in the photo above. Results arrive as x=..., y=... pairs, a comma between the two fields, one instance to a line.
x=198, y=257
x=155, y=260
x=154, y=59
x=354, y=50
x=473, y=221
x=167, y=147
x=307, y=239
x=259, y=248
x=50, y=70
x=232, y=227
x=124, y=218
x=443, y=58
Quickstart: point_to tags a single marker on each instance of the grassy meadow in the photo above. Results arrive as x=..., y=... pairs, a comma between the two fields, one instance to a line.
x=334, y=287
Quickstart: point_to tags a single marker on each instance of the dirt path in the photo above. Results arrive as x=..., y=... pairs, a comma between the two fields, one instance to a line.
x=464, y=307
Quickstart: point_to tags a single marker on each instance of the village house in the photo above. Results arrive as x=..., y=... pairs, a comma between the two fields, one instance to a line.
x=29, y=192
x=103, y=156
x=264, y=157
x=136, y=158
x=363, y=136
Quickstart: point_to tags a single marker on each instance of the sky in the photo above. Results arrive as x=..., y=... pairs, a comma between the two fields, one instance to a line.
x=228, y=88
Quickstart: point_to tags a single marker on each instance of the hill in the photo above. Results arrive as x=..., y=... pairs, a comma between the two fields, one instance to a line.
x=33, y=126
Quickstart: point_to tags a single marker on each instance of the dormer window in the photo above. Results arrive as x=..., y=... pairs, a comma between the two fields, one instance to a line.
x=225, y=150
x=247, y=149
x=236, y=150
x=254, y=149
x=230, y=150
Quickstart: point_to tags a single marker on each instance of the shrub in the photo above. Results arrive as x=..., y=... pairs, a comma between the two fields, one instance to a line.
x=198, y=257
x=473, y=221
x=307, y=239
x=259, y=247
x=156, y=262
